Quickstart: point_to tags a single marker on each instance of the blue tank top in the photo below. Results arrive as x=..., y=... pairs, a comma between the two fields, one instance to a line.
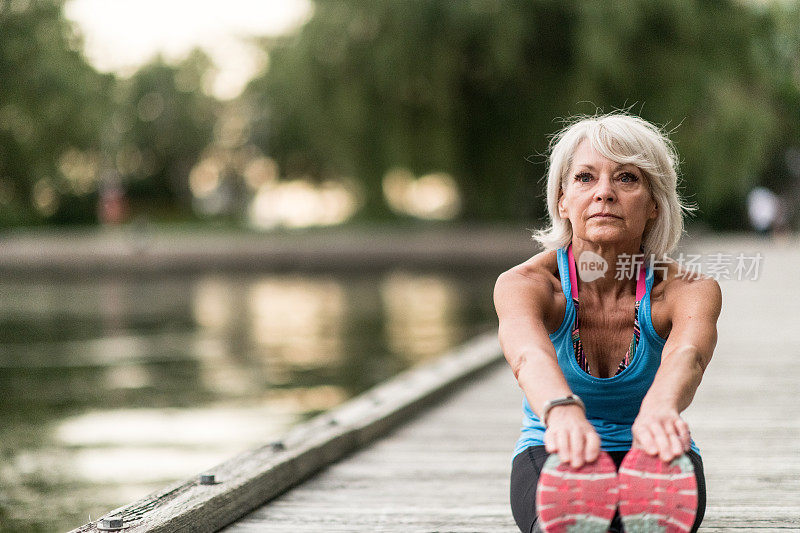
x=611, y=403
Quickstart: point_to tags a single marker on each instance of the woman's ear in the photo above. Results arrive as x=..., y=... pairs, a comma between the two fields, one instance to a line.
x=562, y=210
x=653, y=211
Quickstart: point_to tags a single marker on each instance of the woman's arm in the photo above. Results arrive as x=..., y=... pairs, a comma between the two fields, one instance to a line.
x=695, y=308
x=523, y=297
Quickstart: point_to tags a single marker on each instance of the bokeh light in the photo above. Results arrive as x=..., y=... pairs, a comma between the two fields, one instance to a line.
x=302, y=203
x=433, y=196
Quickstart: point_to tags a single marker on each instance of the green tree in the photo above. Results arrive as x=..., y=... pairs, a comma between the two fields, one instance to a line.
x=162, y=122
x=782, y=174
x=474, y=88
x=51, y=102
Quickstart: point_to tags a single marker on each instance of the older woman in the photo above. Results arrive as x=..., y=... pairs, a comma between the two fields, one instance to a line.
x=608, y=340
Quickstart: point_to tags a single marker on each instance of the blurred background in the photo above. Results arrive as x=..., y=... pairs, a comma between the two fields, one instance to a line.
x=150, y=132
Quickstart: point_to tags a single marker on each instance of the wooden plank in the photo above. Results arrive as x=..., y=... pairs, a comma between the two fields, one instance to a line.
x=442, y=471
x=255, y=477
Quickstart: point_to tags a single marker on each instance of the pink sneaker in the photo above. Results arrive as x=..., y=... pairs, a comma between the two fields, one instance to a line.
x=577, y=499
x=656, y=496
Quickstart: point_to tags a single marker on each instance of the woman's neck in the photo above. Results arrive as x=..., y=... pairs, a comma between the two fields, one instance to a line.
x=621, y=261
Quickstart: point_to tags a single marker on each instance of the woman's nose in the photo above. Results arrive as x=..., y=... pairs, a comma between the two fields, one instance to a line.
x=604, y=191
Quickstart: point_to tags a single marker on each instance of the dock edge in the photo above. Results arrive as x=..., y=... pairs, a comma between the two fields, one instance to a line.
x=253, y=478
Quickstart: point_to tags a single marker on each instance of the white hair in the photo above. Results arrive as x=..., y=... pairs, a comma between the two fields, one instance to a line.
x=623, y=139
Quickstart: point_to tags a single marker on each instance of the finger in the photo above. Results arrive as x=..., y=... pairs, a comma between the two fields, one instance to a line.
x=683, y=434
x=646, y=442
x=562, y=439
x=576, y=440
x=592, y=448
x=549, y=442
x=675, y=445
x=661, y=441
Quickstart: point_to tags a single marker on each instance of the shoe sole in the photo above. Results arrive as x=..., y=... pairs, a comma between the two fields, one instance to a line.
x=656, y=496
x=577, y=500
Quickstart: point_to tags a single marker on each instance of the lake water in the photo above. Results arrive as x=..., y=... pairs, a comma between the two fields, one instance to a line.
x=112, y=389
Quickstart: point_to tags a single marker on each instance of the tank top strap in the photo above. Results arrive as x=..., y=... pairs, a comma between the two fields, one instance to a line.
x=573, y=275
x=563, y=272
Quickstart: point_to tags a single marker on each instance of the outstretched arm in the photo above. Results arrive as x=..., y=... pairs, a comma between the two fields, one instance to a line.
x=659, y=429
x=522, y=300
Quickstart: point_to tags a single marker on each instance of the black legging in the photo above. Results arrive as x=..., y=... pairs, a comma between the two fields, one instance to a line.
x=528, y=465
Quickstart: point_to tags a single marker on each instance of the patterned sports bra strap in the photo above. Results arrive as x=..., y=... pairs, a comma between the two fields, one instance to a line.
x=641, y=284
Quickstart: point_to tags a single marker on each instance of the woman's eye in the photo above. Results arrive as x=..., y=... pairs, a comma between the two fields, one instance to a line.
x=583, y=177
x=627, y=177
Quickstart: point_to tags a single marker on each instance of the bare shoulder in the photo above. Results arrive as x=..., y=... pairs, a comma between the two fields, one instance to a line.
x=677, y=289
x=539, y=273
x=678, y=282
x=531, y=287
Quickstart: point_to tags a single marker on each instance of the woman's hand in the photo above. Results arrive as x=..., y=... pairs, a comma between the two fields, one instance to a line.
x=661, y=431
x=571, y=436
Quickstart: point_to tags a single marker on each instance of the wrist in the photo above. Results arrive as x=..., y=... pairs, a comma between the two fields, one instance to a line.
x=570, y=400
x=657, y=403
x=562, y=413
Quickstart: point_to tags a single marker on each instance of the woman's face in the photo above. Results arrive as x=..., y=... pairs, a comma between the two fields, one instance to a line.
x=596, y=185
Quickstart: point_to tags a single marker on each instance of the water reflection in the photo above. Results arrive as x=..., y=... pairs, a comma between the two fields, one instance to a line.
x=421, y=314
x=113, y=388
x=298, y=321
x=218, y=312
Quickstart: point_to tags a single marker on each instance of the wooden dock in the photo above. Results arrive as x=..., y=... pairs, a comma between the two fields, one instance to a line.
x=444, y=471
x=448, y=468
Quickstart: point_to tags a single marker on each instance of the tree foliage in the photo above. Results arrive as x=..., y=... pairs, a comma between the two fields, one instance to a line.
x=51, y=101
x=67, y=131
x=161, y=124
x=474, y=88
x=471, y=88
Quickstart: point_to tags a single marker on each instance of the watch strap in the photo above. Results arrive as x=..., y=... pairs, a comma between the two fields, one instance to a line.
x=572, y=399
